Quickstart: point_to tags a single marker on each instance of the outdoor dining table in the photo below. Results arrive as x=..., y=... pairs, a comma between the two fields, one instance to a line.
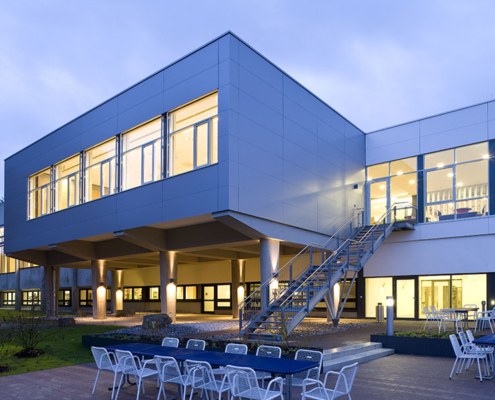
x=488, y=340
x=462, y=310
x=278, y=366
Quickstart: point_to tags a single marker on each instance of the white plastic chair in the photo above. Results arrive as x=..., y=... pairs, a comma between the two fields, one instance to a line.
x=313, y=373
x=448, y=315
x=169, y=372
x=103, y=360
x=244, y=384
x=429, y=320
x=267, y=351
x=343, y=386
x=170, y=342
x=466, y=353
x=488, y=350
x=131, y=365
x=195, y=344
x=483, y=318
x=436, y=316
x=200, y=376
x=231, y=348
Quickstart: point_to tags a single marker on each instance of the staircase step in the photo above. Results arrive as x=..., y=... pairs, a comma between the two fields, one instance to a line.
x=361, y=358
x=339, y=352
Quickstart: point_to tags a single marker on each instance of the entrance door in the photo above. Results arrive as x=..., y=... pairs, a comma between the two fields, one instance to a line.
x=405, y=298
x=378, y=199
x=208, y=299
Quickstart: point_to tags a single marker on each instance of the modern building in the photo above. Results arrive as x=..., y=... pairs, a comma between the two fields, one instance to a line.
x=187, y=190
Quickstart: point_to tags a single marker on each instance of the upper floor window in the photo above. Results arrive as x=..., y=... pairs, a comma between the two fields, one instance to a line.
x=67, y=183
x=194, y=135
x=457, y=183
x=1, y=234
x=142, y=155
x=39, y=194
x=99, y=172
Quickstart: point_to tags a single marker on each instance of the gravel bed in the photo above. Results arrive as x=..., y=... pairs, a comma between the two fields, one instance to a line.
x=310, y=329
x=183, y=329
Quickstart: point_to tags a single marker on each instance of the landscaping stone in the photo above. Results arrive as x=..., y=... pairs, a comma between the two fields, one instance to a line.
x=124, y=313
x=81, y=313
x=65, y=322
x=156, y=321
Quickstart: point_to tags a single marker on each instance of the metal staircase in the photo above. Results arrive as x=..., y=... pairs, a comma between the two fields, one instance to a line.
x=277, y=307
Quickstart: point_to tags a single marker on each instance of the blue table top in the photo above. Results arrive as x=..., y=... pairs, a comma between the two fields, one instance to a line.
x=282, y=366
x=486, y=340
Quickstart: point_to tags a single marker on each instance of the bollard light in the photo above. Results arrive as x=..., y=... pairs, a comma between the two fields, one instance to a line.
x=390, y=315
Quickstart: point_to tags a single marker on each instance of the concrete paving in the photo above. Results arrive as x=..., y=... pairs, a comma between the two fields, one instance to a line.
x=391, y=378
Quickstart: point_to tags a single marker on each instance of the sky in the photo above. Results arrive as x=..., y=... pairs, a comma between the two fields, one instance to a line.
x=378, y=63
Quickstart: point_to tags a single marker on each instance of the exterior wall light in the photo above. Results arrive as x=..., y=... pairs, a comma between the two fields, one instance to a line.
x=390, y=315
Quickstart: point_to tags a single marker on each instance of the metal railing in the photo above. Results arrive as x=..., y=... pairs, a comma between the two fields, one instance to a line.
x=295, y=303
x=311, y=256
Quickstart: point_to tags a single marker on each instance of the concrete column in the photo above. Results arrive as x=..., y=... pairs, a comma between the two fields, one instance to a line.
x=18, y=293
x=56, y=286
x=238, y=280
x=47, y=292
x=99, y=276
x=168, y=283
x=75, y=291
x=117, y=290
x=269, y=264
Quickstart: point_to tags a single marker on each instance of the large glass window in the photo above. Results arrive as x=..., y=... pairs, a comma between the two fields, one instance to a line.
x=39, y=194
x=451, y=291
x=8, y=299
x=459, y=190
x=194, y=135
x=392, y=183
x=7, y=264
x=377, y=290
x=64, y=298
x=85, y=297
x=142, y=155
x=133, y=294
x=31, y=298
x=100, y=170
x=67, y=174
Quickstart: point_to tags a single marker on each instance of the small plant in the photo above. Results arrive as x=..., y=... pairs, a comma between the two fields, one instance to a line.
x=29, y=328
x=5, y=338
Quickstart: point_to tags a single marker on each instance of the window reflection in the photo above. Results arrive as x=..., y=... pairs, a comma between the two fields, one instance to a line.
x=194, y=135
x=142, y=156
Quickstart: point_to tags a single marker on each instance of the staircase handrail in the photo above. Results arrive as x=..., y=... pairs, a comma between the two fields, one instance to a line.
x=356, y=213
x=345, y=246
x=383, y=219
x=318, y=270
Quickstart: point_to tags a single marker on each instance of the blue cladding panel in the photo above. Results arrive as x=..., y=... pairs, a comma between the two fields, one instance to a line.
x=260, y=67
x=257, y=88
x=491, y=187
x=140, y=93
x=100, y=133
x=263, y=115
x=190, y=89
x=100, y=115
x=203, y=59
x=143, y=112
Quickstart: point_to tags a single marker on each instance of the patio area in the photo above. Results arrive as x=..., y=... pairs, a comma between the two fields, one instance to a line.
x=394, y=377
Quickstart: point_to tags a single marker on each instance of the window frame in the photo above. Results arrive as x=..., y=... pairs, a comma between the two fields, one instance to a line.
x=87, y=301
x=49, y=189
x=25, y=298
x=77, y=178
x=184, y=288
x=454, y=200
x=108, y=161
x=170, y=159
x=8, y=298
x=133, y=289
x=61, y=300
x=142, y=147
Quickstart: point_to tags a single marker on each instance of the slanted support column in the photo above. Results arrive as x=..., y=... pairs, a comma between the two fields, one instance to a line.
x=47, y=292
x=99, y=277
x=238, y=280
x=75, y=291
x=117, y=290
x=168, y=283
x=269, y=264
x=18, y=293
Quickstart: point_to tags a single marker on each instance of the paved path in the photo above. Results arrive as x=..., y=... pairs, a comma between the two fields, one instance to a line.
x=391, y=378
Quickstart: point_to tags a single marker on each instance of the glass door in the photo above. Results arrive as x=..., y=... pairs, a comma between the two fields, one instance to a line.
x=434, y=291
x=208, y=299
x=379, y=195
x=405, y=298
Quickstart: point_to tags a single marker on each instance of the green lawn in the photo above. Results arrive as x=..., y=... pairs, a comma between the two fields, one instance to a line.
x=63, y=348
